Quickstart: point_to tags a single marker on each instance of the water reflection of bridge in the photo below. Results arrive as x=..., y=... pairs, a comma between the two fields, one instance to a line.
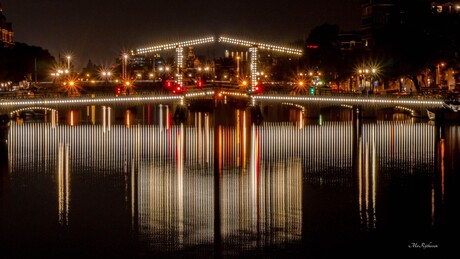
x=161, y=110
x=170, y=183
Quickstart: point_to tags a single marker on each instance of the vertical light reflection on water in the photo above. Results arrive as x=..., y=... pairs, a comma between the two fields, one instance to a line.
x=276, y=185
x=387, y=146
x=261, y=206
x=104, y=119
x=367, y=182
x=434, y=188
x=128, y=119
x=54, y=118
x=367, y=175
x=63, y=184
x=168, y=117
x=93, y=114
x=180, y=179
x=176, y=204
x=175, y=200
x=169, y=182
x=72, y=121
x=245, y=141
x=35, y=148
x=447, y=146
x=199, y=150
x=219, y=148
x=109, y=118
x=254, y=175
x=207, y=138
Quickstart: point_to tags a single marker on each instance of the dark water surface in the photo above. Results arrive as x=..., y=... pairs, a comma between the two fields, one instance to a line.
x=275, y=190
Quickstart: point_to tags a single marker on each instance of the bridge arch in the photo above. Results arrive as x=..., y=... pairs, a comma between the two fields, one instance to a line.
x=406, y=110
x=31, y=109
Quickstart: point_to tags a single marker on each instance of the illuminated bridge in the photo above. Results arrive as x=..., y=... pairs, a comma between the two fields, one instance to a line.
x=369, y=105
x=305, y=105
x=253, y=46
x=415, y=106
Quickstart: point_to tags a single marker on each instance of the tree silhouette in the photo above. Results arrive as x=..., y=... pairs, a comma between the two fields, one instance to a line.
x=19, y=62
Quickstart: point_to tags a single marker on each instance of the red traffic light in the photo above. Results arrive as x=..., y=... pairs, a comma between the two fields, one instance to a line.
x=177, y=90
x=169, y=84
x=199, y=83
x=118, y=90
x=258, y=89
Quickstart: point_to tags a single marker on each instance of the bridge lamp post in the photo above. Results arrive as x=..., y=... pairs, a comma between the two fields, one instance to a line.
x=373, y=73
x=253, y=52
x=124, y=67
x=179, y=59
x=438, y=72
x=106, y=75
x=363, y=77
x=68, y=61
x=367, y=76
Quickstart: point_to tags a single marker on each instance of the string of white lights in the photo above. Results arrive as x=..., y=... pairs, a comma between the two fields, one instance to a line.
x=89, y=100
x=174, y=45
x=261, y=45
x=348, y=100
x=341, y=100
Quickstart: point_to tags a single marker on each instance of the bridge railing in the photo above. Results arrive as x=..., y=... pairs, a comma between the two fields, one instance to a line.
x=20, y=95
x=360, y=95
x=8, y=96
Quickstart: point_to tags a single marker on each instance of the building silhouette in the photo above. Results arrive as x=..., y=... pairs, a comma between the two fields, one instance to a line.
x=377, y=15
x=6, y=30
x=446, y=7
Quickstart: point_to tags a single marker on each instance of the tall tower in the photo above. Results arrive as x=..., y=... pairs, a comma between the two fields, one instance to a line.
x=6, y=30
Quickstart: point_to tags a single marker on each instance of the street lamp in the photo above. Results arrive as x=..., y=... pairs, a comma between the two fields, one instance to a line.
x=367, y=74
x=106, y=75
x=238, y=66
x=124, y=69
x=438, y=73
x=68, y=62
x=373, y=73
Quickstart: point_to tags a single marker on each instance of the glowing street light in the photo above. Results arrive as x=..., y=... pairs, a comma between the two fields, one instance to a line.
x=368, y=74
x=124, y=66
x=68, y=61
x=106, y=75
x=439, y=67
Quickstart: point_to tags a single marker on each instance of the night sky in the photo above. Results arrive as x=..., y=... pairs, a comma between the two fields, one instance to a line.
x=100, y=29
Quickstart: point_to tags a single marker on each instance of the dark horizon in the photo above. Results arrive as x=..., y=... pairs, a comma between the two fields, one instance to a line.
x=99, y=30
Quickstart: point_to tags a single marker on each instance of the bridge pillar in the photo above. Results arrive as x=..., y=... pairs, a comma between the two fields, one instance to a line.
x=180, y=61
x=253, y=52
x=313, y=111
x=180, y=114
